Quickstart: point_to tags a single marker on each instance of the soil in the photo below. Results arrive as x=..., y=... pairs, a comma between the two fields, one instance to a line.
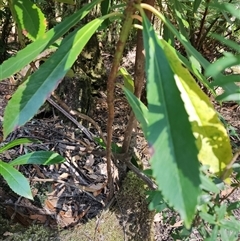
x=69, y=199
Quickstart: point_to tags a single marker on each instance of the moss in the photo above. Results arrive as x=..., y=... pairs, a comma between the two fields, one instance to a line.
x=130, y=218
x=105, y=228
x=36, y=233
x=16, y=232
x=133, y=187
x=135, y=215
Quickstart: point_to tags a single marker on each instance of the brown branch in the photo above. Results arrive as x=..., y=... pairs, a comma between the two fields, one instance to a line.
x=138, y=81
x=202, y=25
x=129, y=11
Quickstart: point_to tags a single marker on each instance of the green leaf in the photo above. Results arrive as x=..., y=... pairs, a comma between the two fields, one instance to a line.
x=16, y=181
x=230, y=95
x=232, y=44
x=212, y=139
x=168, y=35
x=26, y=55
x=228, y=235
x=35, y=90
x=17, y=142
x=105, y=6
x=233, y=206
x=221, y=211
x=228, y=7
x=139, y=109
x=223, y=80
x=156, y=201
x=231, y=224
x=221, y=64
x=182, y=23
x=29, y=18
x=39, y=158
x=128, y=80
x=208, y=185
x=207, y=217
x=172, y=144
x=194, y=70
x=183, y=40
x=196, y=5
x=214, y=234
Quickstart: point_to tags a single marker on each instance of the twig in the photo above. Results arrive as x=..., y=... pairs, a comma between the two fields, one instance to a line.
x=81, y=127
x=79, y=187
x=124, y=158
x=230, y=193
x=229, y=166
x=141, y=175
x=80, y=115
x=202, y=23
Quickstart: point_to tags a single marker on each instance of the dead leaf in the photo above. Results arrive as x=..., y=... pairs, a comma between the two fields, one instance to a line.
x=38, y=218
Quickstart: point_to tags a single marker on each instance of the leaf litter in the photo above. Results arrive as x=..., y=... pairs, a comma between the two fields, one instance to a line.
x=76, y=191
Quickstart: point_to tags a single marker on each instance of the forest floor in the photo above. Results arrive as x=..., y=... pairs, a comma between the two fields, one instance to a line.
x=69, y=198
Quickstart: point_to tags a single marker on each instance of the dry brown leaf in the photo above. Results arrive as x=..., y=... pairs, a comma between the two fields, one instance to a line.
x=50, y=205
x=7, y=155
x=38, y=217
x=66, y=218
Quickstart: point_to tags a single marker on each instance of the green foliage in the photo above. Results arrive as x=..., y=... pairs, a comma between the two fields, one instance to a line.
x=128, y=80
x=20, y=108
x=16, y=181
x=179, y=123
x=165, y=76
x=207, y=129
x=175, y=164
x=31, y=51
x=29, y=17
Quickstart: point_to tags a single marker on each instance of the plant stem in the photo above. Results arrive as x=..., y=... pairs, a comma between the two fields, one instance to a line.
x=201, y=26
x=129, y=11
x=138, y=81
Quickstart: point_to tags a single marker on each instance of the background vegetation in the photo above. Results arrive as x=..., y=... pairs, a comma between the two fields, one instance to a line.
x=182, y=47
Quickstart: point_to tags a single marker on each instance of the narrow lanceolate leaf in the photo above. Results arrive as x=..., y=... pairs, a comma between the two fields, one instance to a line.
x=128, y=80
x=139, y=109
x=16, y=181
x=39, y=158
x=196, y=5
x=228, y=7
x=35, y=90
x=16, y=143
x=230, y=43
x=174, y=153
x=28, y=54
x=212, y=139
x=221, y=64
x=230, y=95
x=29, y=18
